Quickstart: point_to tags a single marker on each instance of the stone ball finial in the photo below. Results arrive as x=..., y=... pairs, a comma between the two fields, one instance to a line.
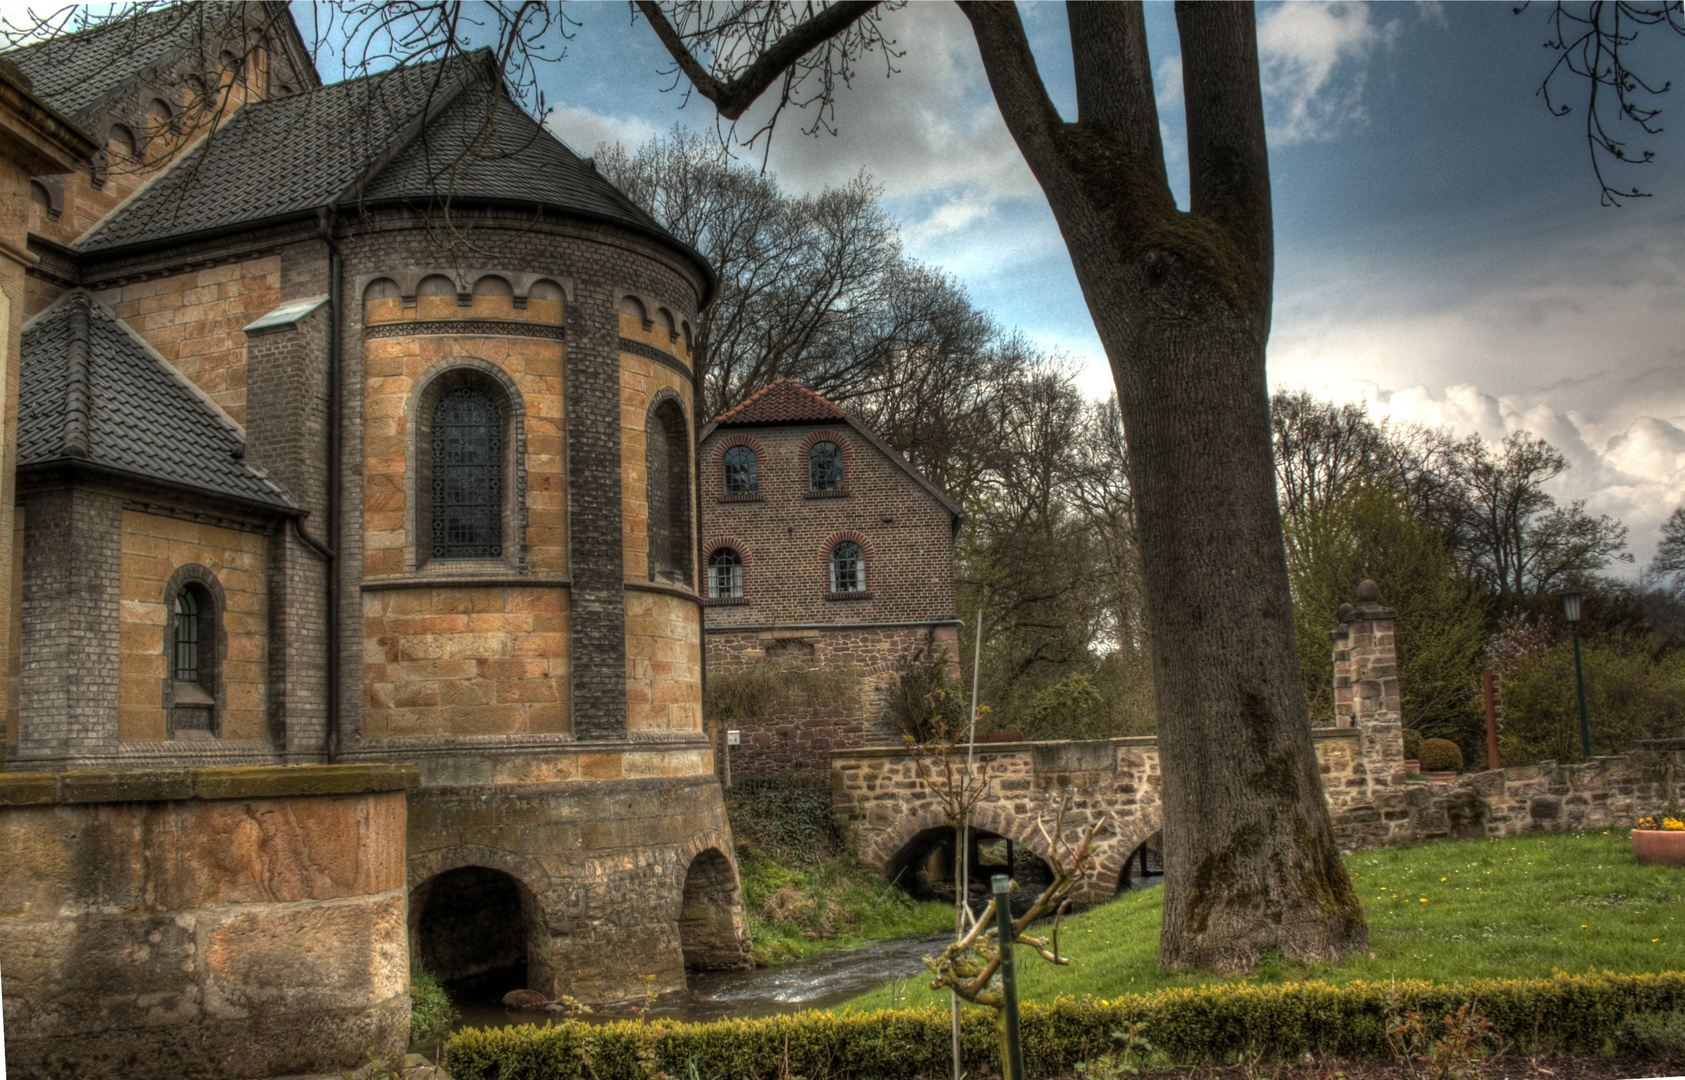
x=1368, y=592
x=1346, y=612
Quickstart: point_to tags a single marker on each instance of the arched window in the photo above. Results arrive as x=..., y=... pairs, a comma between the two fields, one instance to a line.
x=467, y=475
x=160, y=118
x=192, y=650
x=824, y=467
x=848, y=568
x=667, y=469
x=742, y=471
x=725, y=575
x=39, y=196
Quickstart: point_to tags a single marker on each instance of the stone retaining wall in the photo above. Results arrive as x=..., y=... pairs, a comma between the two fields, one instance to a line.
x=203, y=923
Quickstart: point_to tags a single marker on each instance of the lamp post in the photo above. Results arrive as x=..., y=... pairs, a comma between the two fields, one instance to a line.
x=1571, y=611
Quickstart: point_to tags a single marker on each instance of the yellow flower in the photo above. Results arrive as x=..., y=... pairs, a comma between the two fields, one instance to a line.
x=1424, y=899
x=1445, y=879
x=1673, y=824
x=1583, y=926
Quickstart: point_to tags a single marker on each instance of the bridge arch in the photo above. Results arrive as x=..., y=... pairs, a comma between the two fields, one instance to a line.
x=712, y=935
x=919, y=853
x=481, y=925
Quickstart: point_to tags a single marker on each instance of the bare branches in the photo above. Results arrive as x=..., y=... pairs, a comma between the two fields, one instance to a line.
x=732, y=53
x=1592, y=49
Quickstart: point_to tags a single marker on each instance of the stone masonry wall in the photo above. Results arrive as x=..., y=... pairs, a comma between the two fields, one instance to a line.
x=803, y=739
x=663, y=662
x=211, y=923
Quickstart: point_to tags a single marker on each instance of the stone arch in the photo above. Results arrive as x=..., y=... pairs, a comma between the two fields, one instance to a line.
x=1142, y=862
x=476, y=921
x=435, y=285
x=665, y=317
x=904, y=852
x=438, y=380
x=1113, y=854
x=635, y=307
x=710, y=923
x=493, y=285
x=667, y=446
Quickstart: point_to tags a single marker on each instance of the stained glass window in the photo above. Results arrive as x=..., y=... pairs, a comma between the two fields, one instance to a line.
x=467, y=476
x=742, y=472
x=848, y=568
x=725, y=575
x=825, y=467
x=187, y=637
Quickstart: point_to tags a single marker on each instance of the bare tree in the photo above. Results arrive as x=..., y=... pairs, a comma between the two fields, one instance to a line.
x=1669, y=563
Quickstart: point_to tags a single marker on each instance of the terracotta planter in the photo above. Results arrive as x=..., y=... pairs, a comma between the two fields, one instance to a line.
x=1662, y=847
x=1412, y=765
x=1440, y=776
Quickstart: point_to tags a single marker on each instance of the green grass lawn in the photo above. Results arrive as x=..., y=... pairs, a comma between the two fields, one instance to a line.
x=797, y=911
x=1445, y=911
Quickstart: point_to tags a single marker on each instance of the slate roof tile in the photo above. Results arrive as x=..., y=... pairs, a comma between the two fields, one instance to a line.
x=783, y=401
x=144, y=417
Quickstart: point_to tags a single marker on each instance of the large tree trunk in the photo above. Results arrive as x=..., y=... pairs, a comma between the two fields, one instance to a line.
x=1182, y=304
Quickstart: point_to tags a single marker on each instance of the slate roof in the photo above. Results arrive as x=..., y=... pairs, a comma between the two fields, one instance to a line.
x=783, y=401
x=410, y=134
x=142, y=416
x=79, y=72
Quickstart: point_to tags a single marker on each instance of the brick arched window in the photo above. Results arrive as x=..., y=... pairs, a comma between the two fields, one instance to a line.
x=848, y=568
x=742, y=471
x=725, y=574
x=825, y=467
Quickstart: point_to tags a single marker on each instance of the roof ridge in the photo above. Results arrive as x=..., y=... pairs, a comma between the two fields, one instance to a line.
x=738, y=413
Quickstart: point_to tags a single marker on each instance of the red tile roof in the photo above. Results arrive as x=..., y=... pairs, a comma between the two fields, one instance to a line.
x=785, y=401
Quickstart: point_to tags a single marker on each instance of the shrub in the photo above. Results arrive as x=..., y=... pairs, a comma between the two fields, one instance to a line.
x=1213, y=1024
x=1412, y=744
x=430, y=1006
x=1440, y=755
x=921, y=700
x=787, y=816
x=770, y=689
x=1630, y=695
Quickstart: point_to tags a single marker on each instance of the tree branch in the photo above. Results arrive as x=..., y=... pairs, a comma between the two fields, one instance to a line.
x=1114, y=75
x=733, y=98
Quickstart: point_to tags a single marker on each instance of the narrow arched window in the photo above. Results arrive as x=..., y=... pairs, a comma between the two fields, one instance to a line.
x=725, y=575
x=848, y=568
x=667, y=484
x=742, y=471
x=187, y=636
x=825, y=467
x=467, y=437
x=193, y=654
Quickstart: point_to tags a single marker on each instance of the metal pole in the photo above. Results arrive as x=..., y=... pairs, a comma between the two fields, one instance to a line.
x=1002, y=886
x=962, y=893
x=1490, y=680
x=1580, y=679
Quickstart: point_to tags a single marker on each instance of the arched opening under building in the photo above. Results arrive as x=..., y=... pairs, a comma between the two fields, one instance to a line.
x=1145, y=866
x=480, y=932
x=707, y=933
x=925, y=866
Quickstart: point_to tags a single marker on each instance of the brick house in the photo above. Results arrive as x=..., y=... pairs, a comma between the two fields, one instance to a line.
x=822, y=548
x=313, y=467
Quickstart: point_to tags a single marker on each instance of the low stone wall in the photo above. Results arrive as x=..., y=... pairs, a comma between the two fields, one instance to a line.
x=203, y=923
x=1603, y=793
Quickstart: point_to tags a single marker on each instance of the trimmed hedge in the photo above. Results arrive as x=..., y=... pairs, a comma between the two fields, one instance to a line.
x=1203, y=1025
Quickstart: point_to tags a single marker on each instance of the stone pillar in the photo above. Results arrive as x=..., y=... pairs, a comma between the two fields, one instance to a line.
x=1366, y=684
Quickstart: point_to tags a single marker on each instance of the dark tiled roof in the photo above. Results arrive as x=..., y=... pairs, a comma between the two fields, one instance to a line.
x=485, y=146
x=143, y=417
x=365, y=139
x=282, y=155
x=77, y=73
x=784, y=401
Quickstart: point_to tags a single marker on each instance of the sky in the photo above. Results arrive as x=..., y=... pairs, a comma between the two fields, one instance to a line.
x=1441, y=250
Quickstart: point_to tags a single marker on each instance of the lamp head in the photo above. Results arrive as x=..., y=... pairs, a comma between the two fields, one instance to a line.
x=1000, y=884
x=1571, y=603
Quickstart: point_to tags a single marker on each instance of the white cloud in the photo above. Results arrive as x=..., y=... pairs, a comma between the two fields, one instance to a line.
x=1518, y=338
x=584, y=130
x=1301, y=49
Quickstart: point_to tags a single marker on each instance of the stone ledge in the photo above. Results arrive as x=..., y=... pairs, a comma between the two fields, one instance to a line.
x=173, y=785
x=1021, y=747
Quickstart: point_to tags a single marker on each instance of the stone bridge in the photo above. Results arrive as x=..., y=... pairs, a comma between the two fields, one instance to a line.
x=894, y=822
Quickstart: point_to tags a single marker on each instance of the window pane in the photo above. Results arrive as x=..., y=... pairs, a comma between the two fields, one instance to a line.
x=824, y=467
x=742, y=471
x=187, y=637
x=725, y=575
x=848, y=568
x=467, y=476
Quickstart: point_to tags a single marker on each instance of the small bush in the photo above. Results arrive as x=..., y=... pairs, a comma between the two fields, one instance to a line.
x=765, y=691
x=1440, y=755
x=788, y=817
x=1653, y=1035
x=922, y=701
x=1412, y=744
x=430, y=1006
x=1214, y=1024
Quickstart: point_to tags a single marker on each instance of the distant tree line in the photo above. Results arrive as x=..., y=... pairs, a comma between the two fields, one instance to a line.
x=1464, y=539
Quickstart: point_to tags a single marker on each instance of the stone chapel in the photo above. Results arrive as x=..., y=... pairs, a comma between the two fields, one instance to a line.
x=354, y=428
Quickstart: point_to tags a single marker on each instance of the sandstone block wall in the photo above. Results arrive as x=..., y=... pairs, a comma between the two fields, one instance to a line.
x=663, y=662
x=154, y=549
x=211, y=923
